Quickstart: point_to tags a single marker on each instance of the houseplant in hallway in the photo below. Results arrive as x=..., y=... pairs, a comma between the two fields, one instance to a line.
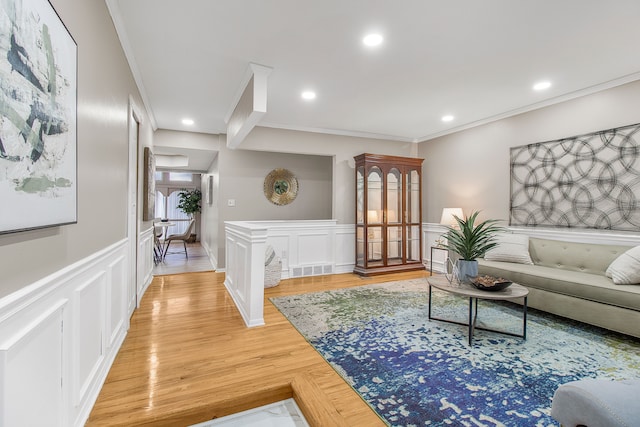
x=189, y=202
x=470, y=240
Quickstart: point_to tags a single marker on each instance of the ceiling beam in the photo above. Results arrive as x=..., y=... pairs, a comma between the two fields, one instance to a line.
x=251, y=105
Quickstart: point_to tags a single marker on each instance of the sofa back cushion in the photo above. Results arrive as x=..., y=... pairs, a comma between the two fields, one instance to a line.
x=584, y=257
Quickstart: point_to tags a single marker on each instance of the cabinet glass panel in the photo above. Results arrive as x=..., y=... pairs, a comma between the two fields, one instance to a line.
x=374, y=196
x=360, y=246
x=394, y=196
x=413, y=243
x=413, y=197
x=374, y=246
x=360, y=195
x=394, y=245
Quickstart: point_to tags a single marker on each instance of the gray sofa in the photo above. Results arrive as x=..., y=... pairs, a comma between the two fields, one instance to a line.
x=568, y=279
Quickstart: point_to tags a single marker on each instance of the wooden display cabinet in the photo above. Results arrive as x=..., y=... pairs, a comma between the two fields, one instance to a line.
x=388, y=214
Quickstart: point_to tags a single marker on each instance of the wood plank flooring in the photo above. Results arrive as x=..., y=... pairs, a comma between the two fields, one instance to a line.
x=189, y=358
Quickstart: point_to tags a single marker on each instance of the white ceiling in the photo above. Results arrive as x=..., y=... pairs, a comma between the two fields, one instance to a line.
x=476, y=60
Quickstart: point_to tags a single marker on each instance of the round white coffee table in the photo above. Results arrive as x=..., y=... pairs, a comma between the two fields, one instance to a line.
x=515, y=291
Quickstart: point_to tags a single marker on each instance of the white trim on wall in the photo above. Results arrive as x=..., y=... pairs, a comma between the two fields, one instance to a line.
x=59, y=337
x=433, y=231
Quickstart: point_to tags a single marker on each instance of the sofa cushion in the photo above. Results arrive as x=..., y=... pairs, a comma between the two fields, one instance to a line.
x=511, y=248
x=625, y=270
x=593, y=287
x=580, y=257
x=597, y=402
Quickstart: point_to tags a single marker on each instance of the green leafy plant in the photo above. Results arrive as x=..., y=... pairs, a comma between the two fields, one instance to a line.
x=189, y=201
x=471, y=240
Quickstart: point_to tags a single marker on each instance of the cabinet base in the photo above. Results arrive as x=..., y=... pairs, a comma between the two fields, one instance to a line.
x=374, y=271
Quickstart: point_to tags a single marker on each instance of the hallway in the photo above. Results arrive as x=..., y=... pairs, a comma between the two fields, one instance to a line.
x=175, y=262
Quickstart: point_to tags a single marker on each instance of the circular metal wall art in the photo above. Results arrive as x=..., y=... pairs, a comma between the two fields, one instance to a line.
x=280, y=187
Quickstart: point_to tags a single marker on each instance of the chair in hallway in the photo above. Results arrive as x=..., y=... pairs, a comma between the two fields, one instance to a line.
x=179, y=237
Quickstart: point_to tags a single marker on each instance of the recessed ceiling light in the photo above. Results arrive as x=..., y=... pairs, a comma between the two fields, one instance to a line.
x=542, y=85
x=308, y=95
x=187, y=122
x=447, y=118
x=372, y=39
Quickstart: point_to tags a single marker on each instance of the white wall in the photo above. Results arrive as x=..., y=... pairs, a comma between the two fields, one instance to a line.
x=342, y=148
x=242, y=173
x=211, y=213
x=470, y=169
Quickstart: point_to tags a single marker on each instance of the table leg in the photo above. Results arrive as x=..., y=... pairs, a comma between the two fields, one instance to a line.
x=431, y=264
x=429, y=302
x=471, y=320
x=524, y=319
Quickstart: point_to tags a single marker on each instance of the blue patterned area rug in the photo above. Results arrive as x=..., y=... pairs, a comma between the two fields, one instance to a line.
x=416, y=372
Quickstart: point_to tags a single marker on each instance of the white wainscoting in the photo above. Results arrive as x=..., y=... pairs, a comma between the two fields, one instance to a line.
x=244, y=260
x=306, y=248
x=145, y=261
x=432, y=232
x=312, y=248
x=60, y=335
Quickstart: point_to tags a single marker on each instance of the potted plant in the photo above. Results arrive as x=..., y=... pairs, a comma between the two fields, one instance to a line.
x=470, y=241
x=189, y=203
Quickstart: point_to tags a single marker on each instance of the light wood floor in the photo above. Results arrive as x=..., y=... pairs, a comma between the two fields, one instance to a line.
x=189, y=358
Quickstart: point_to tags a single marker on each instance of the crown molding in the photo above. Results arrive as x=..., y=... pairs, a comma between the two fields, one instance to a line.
x=546, y=103
x=116, y=17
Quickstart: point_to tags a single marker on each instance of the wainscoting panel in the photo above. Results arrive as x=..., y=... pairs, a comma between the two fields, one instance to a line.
x=31, y=369
x=345, y=248
x=244, y=260
x=89, y=333
x=145, y=261
x=244, y=286
x=116, y=295
x=58, y=339
x=313, y=248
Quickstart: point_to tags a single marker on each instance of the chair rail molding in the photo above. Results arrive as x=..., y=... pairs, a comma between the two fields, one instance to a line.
x=59, y=337
x=433, y=231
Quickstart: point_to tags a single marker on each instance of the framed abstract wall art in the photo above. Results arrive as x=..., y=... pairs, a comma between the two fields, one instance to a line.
x=38, y=105
x=586, y=181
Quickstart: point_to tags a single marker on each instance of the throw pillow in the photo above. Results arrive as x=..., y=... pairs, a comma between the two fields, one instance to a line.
x=625, y=270
x=511, y=248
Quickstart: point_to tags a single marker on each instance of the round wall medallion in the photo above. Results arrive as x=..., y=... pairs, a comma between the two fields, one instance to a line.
x=280, y=187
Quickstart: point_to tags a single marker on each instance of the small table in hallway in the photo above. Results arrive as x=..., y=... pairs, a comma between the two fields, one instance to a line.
x=514, y=291
x=158, y=255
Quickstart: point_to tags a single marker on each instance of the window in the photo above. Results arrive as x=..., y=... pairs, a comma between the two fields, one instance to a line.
x=180, y=176
x=167, y=207
x=161, y=205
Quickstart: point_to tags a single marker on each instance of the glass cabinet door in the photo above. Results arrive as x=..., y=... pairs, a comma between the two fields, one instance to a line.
x=393, y=218
x=360, y=195
x=413, y=238
x=413, y=197
x=394, y=197
x=375, y=192
x=360, y=243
